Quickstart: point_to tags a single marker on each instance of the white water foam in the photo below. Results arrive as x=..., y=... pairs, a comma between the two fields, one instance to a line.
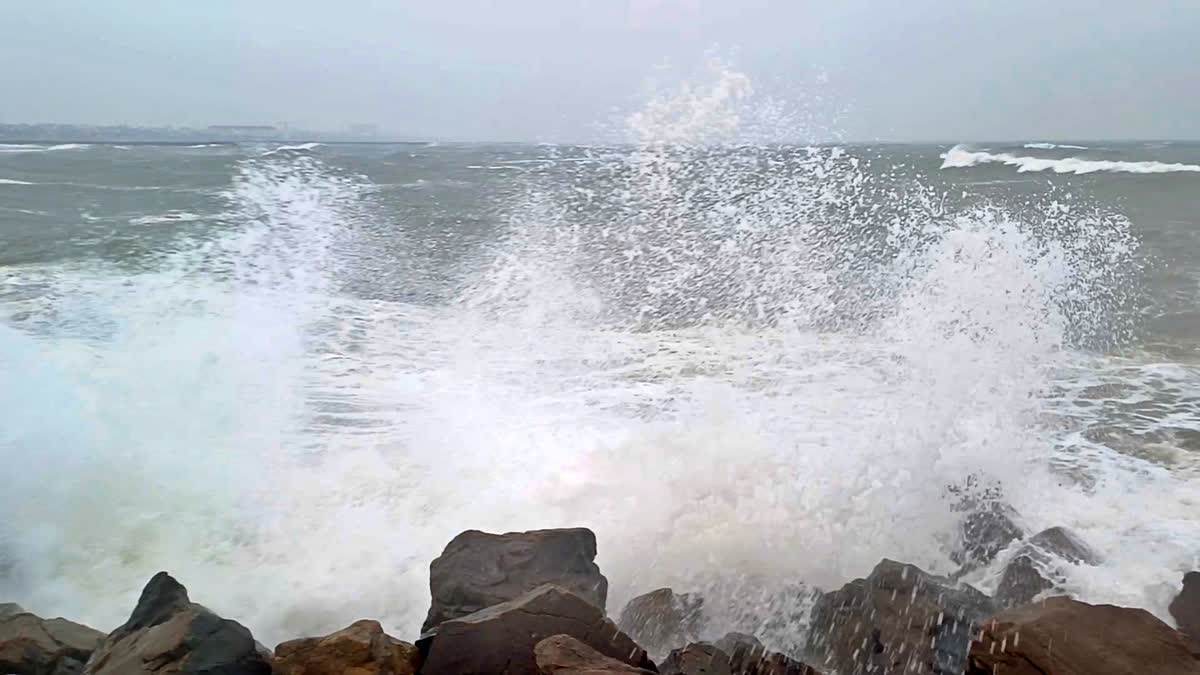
x=1054, y=146
x=960, y=157
x=171, y=217
x=729, y=380
x=7, y=181
x=303, y=147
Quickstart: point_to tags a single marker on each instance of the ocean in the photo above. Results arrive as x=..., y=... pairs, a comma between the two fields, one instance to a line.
x=289, y=374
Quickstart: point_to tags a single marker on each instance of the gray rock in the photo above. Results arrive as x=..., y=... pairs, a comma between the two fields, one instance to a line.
x=478, y=570
x=30, y=645
x=1186, y=607
x=167, y=633
x=900, y=619
x=985, y=531
x=1025, y=576
x=732, y=642
x=8, y=609
x=564, y=655
x=502, y=638
x=663, y=620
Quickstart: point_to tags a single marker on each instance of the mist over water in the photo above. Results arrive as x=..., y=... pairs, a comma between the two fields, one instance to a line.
x=750, y=368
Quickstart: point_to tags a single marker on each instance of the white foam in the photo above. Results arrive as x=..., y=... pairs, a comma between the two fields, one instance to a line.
x=961, y=157
x=171, y=217
x=7, y=181
x=303, y=147
x=1054, y=146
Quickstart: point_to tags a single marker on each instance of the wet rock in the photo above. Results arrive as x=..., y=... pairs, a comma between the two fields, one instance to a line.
x=899, y=619
x=167, y=633
x=31, y=645
x=359, y=649
x=1025, y=576
x=985, y=531
x=501, y=638
x=1186, y=606
x=1061, y=636
x=699, y=658
x=733, y=654
x=662, y=620
x=478, y=570
x=564, y=655
x=733, y=642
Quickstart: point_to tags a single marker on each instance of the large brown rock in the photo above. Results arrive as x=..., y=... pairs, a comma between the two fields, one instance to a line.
x=1186, y=606
x=1032, y=568
x=899, y=619
x=362, y=648
x=662, y=620
x=1061, y=636
x=501, y=638
x=564, y=655
x=732, y=655
x=30, y=645
x=478, y=570
x=168, y=633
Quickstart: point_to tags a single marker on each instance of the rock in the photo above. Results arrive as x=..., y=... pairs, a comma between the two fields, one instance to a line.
x=501, y=638
x=167, y=633
x=564, y=655
x=360, y=649
x=732, y=642
x=662, y=620
x=1186, y=606
x=899, y=619
x=1061, y=636
x=1024, y=578
x=478, y=570
x=988, y=526
x=8, y=609
x=699, y=658
x=740, y=656
x=30, y=645
x=985, y=531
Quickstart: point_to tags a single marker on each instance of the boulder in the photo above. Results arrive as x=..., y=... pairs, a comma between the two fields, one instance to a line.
x=732, y=655
x=700, y=658
x=501, y=638
x=359, y=649
x=478, y=570
x=985, y=531
x=662, y=620
x=1186, y=606
x=1061, y=636
x=1029, y=572
x=168, y=633
x=564, y=655
x=8, y=609
x=30, y=645
x=899, y=619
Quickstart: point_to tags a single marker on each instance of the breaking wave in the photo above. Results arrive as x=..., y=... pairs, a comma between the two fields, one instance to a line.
x=961, y=157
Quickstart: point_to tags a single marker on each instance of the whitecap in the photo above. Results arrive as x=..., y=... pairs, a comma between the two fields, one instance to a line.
x=960, y=157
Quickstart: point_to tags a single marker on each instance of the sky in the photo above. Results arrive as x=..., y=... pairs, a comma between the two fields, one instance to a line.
x=570, y=70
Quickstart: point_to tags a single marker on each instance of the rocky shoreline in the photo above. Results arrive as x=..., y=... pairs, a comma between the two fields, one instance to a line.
x=535, y=603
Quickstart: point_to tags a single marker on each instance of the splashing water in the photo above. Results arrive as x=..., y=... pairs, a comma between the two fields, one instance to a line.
x=748, y=368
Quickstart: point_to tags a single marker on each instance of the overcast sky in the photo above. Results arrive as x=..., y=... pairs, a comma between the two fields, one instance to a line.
x=564, y=69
